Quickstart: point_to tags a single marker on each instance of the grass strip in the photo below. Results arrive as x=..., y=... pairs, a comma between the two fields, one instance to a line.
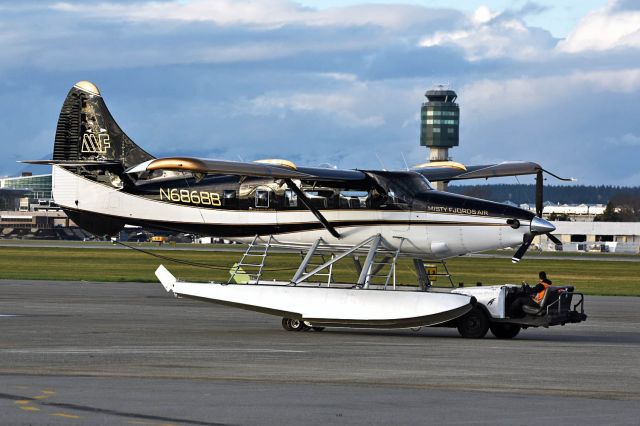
x=594, y=277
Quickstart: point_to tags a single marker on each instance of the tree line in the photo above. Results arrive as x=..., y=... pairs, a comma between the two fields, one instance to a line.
x=623, y=203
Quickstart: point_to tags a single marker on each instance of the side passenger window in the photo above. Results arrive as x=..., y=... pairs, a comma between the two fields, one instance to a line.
x=291, y=197
x=262, y=198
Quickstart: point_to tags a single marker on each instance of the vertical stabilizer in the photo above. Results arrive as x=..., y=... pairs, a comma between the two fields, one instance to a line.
x=86, y=131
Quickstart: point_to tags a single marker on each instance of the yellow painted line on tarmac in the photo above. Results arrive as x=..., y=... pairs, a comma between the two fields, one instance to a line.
x=41, y=396
x=48, y=392
x=66, y=415
x=29, y=408
x=22, y=401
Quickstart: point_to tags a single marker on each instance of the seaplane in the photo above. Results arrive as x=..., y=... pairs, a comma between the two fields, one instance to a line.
x=104, y=182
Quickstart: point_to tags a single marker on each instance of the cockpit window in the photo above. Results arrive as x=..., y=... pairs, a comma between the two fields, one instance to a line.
x=398, y=188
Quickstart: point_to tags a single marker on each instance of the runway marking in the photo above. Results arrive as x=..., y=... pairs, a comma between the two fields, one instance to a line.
x=554, y=345
x=152, y=350
x=159, y=420
x=66, y=415
x=29, y=408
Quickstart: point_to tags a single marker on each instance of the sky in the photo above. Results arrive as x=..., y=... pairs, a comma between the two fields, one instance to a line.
x=334, y=82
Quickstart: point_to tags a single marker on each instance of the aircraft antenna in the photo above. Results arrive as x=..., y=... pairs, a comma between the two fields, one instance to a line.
x=404, y=160
x=380, y=161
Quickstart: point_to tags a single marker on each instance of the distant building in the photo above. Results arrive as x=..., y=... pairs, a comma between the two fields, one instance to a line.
x=23, y=192
x=10, y=198
x=613, y=237
x=572, y=212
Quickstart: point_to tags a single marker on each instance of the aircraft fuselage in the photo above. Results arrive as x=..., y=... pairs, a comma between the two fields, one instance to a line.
x=396, y=205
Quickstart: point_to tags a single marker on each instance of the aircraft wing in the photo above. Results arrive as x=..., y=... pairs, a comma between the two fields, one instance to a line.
x=447, y=170
x=279, y=169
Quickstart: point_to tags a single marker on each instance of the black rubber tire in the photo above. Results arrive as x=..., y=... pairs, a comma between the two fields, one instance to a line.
x=286, y=324
x=503, y=330
x=317, y=328
x=297, y=325
x=474, y=324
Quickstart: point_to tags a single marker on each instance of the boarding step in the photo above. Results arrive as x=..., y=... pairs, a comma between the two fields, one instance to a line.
x=262, y=252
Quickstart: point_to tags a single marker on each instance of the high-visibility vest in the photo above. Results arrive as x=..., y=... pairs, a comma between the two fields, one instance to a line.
x=538, y=297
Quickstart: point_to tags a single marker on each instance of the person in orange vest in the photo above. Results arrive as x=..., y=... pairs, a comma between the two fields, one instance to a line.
x=541, y=288
x=532, y=296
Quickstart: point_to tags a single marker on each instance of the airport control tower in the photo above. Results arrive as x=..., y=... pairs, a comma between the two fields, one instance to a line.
x=440, y=124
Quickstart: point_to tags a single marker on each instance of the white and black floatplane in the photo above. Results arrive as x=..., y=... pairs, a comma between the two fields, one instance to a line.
x=104, y=181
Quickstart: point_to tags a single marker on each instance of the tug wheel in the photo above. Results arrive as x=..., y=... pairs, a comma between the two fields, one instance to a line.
x=473, y=325
x=504, y=330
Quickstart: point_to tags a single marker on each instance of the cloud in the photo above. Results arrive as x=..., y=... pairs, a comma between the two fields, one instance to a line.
x=617, y=25
x=273, y=78
x=489, y=99
x=490, y=35
x=259, y=13
x=628, y=139
x=338, y=105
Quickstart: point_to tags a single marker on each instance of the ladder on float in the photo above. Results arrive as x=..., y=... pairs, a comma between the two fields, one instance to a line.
x=424, y=277
x=252, y=261
x=375, y=266
x=313, y=263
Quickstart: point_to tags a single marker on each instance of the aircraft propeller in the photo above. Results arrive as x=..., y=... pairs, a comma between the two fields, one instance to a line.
x=539, y=226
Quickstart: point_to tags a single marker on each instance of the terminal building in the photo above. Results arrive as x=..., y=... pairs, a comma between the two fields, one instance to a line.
x=29, y=192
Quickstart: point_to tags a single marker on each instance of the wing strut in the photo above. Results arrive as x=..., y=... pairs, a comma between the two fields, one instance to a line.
x=307, y=203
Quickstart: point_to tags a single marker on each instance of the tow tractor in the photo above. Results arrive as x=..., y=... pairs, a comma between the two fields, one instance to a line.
x=561, y=305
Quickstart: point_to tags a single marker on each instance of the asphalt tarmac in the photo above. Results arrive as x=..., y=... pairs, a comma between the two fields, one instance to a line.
x=129, y=353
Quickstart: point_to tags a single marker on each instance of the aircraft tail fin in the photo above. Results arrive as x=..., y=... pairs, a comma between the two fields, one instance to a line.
x=87, y=133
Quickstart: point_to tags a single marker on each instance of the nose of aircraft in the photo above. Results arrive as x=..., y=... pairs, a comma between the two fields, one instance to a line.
x=541, y=226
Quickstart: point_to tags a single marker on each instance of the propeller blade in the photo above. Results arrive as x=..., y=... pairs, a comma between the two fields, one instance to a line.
x=539, y=192
x=555, y=239
x=528, y=239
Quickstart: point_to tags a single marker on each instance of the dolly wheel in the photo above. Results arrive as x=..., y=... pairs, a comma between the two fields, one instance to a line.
x=473, y=325
x=286, y=324
x=504, y=330
x=297, y=325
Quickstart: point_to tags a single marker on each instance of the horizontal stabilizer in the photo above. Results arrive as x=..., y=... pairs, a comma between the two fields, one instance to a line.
x=71, y=163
